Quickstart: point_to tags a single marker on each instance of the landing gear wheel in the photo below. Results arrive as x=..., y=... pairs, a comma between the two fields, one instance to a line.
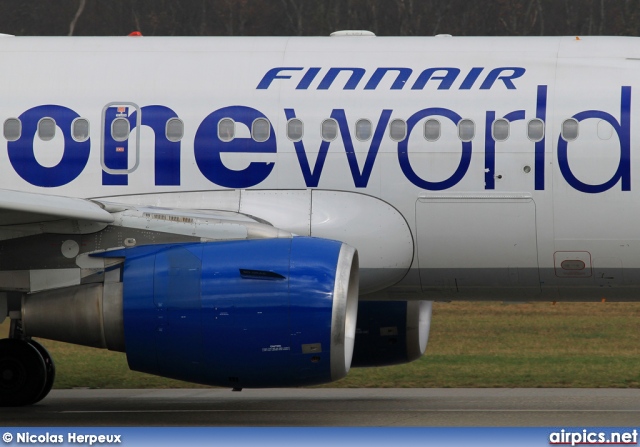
x=50, y=367
x=23, y=373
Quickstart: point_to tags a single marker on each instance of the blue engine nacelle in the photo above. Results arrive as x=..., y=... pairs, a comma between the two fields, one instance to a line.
x=256, y=313
x=391, y=332
x=260, y=313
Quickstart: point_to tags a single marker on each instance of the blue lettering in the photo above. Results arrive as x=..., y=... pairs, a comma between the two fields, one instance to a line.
x=489, y=152
x=541, y=113
x=490, y=146
x=22, y=157
x=446, y=75
x=445, y=80
x=308, y=77
x=471, y=78
x=622, y=128
x=495, y=74
x=361, y=178
x=115, y=153
x=208, y=149
x=311, y=177
x=273, y=74
x=398, y=84
x=403, y=152
x=352, y=83
x=167, y=153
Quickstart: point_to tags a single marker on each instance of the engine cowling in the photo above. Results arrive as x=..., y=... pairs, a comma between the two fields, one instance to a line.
x=258, y=313
x=391, y=332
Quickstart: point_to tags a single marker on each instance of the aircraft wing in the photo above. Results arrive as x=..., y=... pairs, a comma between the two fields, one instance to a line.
x=18, y=207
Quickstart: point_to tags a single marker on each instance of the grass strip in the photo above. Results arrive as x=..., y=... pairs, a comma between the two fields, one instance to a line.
x=471, y=345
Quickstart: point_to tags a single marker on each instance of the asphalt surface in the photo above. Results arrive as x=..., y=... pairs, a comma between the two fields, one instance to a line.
x=332, y=407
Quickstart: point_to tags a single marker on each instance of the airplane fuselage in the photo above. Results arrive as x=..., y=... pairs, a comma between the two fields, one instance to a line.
x=502, y=168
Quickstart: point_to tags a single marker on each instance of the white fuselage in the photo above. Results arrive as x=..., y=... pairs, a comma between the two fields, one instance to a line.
x=464, y=209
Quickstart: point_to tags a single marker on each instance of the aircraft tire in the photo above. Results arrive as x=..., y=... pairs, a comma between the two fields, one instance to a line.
x=23, y=373
x=50, y=367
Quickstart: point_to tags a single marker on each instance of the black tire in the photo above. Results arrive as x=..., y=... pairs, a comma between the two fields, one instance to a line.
x=23, y=373
x=50, y=367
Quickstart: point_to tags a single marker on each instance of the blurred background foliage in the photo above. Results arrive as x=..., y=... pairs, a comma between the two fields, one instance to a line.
x=320, y=17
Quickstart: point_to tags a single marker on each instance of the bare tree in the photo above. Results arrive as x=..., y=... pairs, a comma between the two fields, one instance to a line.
x=294, y=10
x=319, y=17
x=79, y=11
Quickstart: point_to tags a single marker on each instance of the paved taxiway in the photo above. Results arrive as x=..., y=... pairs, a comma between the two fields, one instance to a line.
x=332, y=407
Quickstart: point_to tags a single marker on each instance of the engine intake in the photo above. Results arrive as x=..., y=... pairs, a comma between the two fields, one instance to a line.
x=391, y=332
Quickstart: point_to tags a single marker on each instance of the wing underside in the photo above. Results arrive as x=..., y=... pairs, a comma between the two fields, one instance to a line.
x=18, y=208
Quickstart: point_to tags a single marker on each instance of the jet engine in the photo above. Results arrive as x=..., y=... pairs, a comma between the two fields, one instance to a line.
x=391, y=332
x=251, y=313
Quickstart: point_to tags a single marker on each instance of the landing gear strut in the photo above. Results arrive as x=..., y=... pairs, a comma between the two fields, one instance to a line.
x=27, y=372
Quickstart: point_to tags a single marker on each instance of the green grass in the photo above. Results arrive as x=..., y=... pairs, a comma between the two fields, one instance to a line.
x=471, y=345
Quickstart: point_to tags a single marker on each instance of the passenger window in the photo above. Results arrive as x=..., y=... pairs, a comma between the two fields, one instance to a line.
x=12, y=129
x=535, y=130
x=363, y=130
x=329, y=129
x=398, y=130
x=260, y=130
x=432, y=130
x=605, y=131
x=570, y=129
x=120, y=129
x=46, y=129
x=80, y=129
x=174, y=130
x=466, y=130
x=226, y=129
x=500, y=129
x=295, y=129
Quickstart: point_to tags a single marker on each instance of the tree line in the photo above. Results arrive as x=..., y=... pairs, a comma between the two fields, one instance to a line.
x=320, y=17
